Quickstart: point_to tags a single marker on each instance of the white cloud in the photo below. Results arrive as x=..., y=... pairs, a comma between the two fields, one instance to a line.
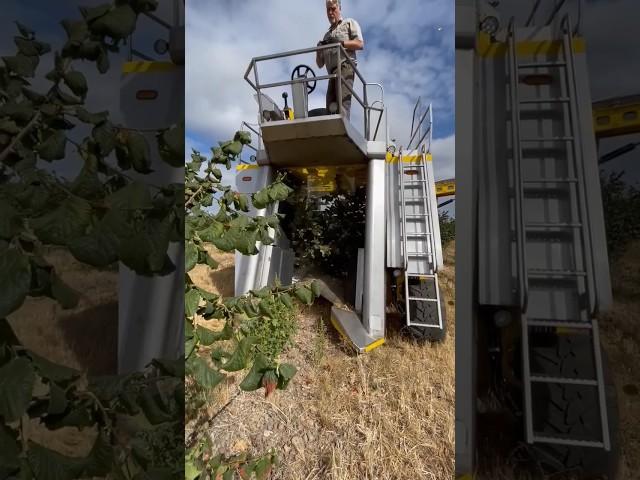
x=404, y=50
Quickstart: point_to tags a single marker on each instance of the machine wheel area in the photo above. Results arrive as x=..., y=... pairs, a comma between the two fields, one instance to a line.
x=427, y=313
x=570, y=411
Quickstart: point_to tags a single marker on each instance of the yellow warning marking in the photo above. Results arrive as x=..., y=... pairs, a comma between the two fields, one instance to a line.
x=373, y=345
x=485, y=47
x=408, y=158
x=147, y=67
x=445, y=188
x=244, y=166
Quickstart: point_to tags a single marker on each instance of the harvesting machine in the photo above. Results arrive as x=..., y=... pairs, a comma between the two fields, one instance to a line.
x=397, y=265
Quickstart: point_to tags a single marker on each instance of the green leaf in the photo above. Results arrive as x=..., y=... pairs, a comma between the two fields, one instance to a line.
x=191, y=472
x=304, y=294
x=15, y=272
x=154, y=406
x=206, y=376
x=316, y=288
x=9, y=450
x=286, y=372
x=119, y=23
x=49, y=465
x=286, y=299
x=99, y=248
x=105, y=135
x=252, y=381
x=65, y=295
x=9, y=126
x=188, y=329
x=52, y=371
x=190, y=256
x=242, y=137
x=76, y=82
x=91, y=13
x=76, y=30
x=16, y=384
x=24, y=30
x=171, y=145
x=22, y=65
x=135, y=196
x=261, y=199
x=93, y=118
x=240, y=356
x=264, y=292
x=191, y=301
x=138, y=152
x=10, y=221
x=233, y=148
x=57, y=401
x=64, y=223
x=53, y=147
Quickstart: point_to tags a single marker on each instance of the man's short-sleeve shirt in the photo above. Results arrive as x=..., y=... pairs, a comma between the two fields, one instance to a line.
x=346, y=29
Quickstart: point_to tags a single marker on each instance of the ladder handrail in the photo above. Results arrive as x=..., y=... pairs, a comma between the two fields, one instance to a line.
x=517, y=156
x=587, y=246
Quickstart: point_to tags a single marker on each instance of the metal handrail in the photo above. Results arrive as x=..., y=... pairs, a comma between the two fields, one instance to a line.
x=517, y=156
x=418, y=128
x=341, y=82
x=587, y=247
x=413, y=116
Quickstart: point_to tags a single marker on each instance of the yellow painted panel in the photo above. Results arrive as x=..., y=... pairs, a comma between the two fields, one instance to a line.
x=486, y=48
x=147, y=67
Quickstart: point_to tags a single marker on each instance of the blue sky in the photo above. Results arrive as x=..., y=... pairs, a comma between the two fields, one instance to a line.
x=409, y=48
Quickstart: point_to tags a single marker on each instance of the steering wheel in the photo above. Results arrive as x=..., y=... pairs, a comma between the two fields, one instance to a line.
x=302, y=71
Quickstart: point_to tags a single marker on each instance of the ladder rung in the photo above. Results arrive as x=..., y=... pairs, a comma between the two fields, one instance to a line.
x=559, y=324
x=555, y=273
x=545, y=100
x=531, y=226
x=414, y=199
x=564, y=380
x=420, y=275
x=567, y=441
x=419, y=254
x=418, y=299
x=542, y=64
x=417, y=234
x=547, y=139
x=551, y=180
x=414, y=181
x=417, y=215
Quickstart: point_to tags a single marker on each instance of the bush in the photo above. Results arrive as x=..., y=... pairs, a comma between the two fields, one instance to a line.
x=621, y=204
x=274, y=333
x=447, y=228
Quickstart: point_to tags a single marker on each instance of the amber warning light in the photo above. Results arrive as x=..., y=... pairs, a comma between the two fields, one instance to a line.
x=146, y=94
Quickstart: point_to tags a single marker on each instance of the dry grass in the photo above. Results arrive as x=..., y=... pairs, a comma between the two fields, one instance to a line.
x=385, y=415
x=621, y=338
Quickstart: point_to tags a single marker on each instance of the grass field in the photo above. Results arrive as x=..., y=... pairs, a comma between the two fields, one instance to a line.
x=388, y=414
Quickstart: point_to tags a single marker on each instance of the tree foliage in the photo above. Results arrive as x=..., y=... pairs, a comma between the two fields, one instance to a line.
x=621, y=204
x=101, y=216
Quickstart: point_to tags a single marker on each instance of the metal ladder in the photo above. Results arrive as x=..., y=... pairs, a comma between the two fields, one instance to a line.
x=418, y=242
x=563, y=295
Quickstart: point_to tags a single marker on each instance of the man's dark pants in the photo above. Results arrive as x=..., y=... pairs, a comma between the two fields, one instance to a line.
x=348, y=76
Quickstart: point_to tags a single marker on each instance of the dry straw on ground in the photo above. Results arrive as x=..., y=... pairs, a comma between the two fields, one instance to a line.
x=385, y=415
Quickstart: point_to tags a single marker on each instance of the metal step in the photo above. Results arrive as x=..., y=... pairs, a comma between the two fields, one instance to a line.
x=544, y=225
x=541, y=64
x=418, y=299
x=544, y=100
x=417, y=234
x=550, y=180
x=416, y=215
x=414, y=181
x=547, y=139
x=559, y=324
x=542, y=273
x=350, y=327
x=564, y=380
x=567, y=441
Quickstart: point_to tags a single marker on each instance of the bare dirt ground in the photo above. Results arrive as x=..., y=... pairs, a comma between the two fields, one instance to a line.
x=388, y=414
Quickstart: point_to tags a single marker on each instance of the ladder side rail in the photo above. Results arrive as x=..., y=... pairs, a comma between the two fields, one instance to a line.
x=426, y=202
x=517, y=156
x=404, y=234
x=587, y=247
x=519, y=224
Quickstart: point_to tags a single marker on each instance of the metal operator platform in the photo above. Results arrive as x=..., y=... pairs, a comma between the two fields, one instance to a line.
x=402, y=239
